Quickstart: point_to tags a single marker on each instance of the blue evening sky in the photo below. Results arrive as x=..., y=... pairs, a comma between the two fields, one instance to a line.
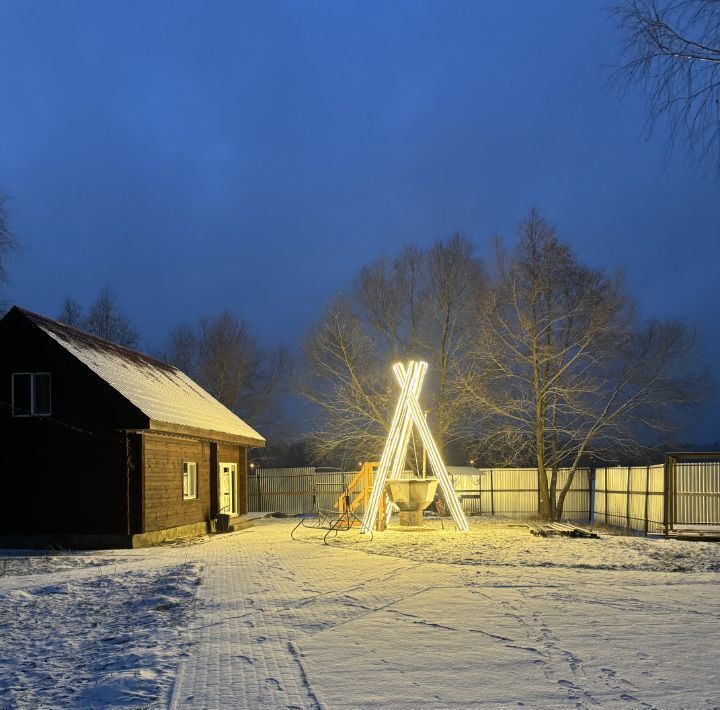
x=206, y=155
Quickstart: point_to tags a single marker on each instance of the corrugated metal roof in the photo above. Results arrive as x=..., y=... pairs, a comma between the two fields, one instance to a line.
x=160, y=391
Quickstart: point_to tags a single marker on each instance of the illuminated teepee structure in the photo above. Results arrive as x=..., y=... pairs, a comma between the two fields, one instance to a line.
x=392, y=463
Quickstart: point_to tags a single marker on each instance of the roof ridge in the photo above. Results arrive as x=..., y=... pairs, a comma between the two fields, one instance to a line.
x=102, y=342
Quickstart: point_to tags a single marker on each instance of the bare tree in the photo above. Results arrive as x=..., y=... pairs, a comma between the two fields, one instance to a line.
x=227, y=359
x=418, y=305
x=348, y=379
x=183, y=349
x=106, y=320
x=562, y=369
x=223, y=356
x=72, y=313
x=672, y=51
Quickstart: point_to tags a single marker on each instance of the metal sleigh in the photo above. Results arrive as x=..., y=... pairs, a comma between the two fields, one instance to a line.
x=330, y=520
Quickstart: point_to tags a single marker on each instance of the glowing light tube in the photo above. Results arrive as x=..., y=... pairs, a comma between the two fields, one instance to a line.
x=394, y=435
x=407, y=413
x=399, y=459
x=436, y=461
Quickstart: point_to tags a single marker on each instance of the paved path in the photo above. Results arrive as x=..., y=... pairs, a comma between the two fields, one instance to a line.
x=284, y=624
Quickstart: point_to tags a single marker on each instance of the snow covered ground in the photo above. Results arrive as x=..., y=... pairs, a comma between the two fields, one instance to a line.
x=494, y=542
x=496, y=618
x=92, y=629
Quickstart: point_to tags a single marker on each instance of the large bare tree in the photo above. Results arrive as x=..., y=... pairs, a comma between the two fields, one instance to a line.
x=72, y=313
x=107, y=320
x=417, y=305
x=672, y=52
x=562, y=369
x=222, y=355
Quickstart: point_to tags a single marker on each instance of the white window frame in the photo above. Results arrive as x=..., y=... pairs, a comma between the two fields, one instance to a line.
x=32, y=412
x=189, y=480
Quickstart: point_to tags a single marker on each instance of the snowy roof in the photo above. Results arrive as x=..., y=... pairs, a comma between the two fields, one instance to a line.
x=161, y=392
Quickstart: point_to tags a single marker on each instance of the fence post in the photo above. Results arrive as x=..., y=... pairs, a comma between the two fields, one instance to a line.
x=591, y=494
x=666, y=495
x=627, y=501
x=606, y=495
x=479, y=492
x=647, y=498
x=259, y=487
x=492, y=494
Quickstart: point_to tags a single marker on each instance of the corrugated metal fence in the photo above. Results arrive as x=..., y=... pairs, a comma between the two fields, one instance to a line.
x=291, y=490
x=657, y=498
x=694, y=491
x=514, y=492
x=511, y=492
x=631, y=497
x=648, y=499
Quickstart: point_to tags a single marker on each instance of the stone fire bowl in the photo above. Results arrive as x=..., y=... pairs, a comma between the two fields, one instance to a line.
x=411, y=494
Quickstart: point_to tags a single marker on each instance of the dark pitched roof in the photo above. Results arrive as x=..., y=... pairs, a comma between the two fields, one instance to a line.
x=162, y=392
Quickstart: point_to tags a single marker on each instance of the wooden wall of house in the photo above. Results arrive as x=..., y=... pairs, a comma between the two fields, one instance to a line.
x=59, y=480
x=163, y=458
x=65, y=473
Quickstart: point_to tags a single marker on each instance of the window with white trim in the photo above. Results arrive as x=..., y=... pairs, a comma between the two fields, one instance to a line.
x=31, y=394
x=189, y=480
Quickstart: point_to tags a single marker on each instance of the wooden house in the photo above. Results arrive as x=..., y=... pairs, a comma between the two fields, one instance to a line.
x=102, y=446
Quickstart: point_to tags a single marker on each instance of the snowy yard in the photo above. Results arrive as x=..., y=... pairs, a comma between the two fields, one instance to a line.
x=495, y=618
x=85, y=631
x=494, y=542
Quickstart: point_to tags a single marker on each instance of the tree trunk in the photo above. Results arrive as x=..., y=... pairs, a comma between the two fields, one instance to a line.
x=561, y=498
x=544, y=506
x=554, y=515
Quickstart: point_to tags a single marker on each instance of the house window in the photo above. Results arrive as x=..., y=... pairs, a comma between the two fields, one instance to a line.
x=189, y=480
x=31, y=394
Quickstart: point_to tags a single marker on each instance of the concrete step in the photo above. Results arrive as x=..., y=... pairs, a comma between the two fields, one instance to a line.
x=240, y=522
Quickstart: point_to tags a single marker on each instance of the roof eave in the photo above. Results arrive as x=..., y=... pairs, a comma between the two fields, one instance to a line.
x=221, y=436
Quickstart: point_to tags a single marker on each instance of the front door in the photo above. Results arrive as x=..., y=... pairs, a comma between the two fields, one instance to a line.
x=228, y=488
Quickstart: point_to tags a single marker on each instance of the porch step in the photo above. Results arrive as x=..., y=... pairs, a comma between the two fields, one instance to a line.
x=240, y=522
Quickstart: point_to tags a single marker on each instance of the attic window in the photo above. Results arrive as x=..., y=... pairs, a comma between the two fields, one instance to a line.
x=189, y=480
x=31, y=394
